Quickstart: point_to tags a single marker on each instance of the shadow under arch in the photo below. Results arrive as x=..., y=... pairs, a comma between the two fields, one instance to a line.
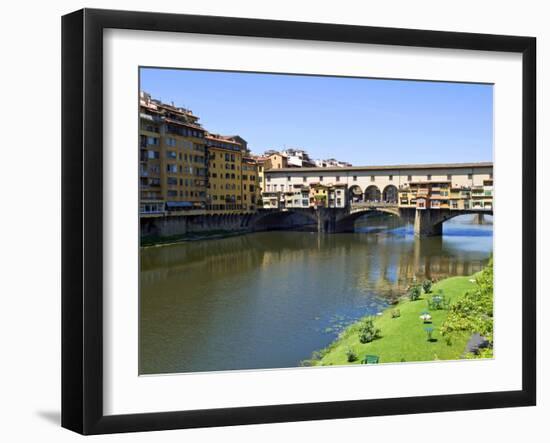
x=389, y=194
x=372, y=194
x=283, y=219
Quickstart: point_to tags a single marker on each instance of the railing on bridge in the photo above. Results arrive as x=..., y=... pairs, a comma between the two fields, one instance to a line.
x=359, y=206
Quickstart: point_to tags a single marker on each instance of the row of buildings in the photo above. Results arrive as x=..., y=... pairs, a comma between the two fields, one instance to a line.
x=183, y=167
x=463, y=186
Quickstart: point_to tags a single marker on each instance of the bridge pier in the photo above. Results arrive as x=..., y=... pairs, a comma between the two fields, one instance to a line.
x=427, y=223
x=326, y=221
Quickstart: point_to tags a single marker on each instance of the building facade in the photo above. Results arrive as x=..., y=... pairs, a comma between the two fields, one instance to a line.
x=250, y=185
x=172, y=158
x=224, y=175
x=452, y=186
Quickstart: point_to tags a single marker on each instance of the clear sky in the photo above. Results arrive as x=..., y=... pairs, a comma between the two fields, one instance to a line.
x=363, y=121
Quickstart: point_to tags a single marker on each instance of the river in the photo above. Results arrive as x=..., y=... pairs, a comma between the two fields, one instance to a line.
x=269, y=299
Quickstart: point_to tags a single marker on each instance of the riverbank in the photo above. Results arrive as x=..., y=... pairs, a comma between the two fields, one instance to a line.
x=403, y=338
x=154, y=240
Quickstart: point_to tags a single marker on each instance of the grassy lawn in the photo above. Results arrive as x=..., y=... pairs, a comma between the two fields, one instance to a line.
x=404, y=338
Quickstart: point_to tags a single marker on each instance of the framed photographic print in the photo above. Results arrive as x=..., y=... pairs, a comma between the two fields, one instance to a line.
x=270, y=221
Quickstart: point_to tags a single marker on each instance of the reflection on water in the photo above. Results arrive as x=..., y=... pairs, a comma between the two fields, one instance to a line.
x=268, y=300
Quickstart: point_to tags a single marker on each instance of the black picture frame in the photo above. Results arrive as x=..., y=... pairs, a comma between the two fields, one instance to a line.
x=82, y=218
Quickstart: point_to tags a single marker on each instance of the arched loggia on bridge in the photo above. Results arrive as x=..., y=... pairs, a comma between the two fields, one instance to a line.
x=390, y=194
x=355, y=194
x=372, y=194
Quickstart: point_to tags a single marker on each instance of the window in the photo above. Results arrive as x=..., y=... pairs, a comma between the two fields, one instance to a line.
x=470, y=176
x=372, y=178
x=449, y=177
x=268, y=178
x=429, y=177
x=320, y=178
x=171, y=154
x=172, y=193
x=172, y=181
x=391, y=177
x=153, y=141
x=304, y=179
x=354, y=178
x=409, y=178
x=337, y=178
x=168, y=141
x=288, y=178
x=171, y=168
x=153, y=155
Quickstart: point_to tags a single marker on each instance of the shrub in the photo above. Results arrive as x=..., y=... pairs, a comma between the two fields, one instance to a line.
x=367, y=331
x=393, y=299
x=352, y=356
x=473, y=312
x=414, y=292
x=395, y=313
x=427, y=286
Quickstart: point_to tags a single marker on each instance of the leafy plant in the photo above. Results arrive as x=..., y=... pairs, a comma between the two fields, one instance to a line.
x=414, y=292
x=473, y=312
x=395, y=313
x=367, y=331
x=351, y=356
x=427, y=286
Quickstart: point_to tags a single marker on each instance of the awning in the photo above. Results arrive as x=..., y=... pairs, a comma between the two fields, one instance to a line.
x=179, y=204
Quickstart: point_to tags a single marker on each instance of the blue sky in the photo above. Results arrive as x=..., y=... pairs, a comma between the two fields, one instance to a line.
x=363, y=121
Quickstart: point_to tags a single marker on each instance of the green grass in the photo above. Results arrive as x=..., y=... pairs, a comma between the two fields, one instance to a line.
x=404, y=338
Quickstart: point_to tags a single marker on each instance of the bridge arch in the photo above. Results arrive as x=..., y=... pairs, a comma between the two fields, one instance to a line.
x=346, y=222
x=389, y=195
x=355, y=194
x=430, y=222
x=372, y=194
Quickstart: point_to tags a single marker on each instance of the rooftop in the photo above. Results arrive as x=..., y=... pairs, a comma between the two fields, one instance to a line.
x=387, y=167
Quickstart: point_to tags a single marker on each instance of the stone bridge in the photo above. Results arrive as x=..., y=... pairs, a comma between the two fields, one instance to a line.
x=427, y=222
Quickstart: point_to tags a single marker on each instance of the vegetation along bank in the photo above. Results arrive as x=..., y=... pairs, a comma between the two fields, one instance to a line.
x=431, y=322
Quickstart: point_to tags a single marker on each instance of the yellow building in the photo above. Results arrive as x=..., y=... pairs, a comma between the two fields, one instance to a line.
x=277, y=161
x=172, y=158
x=250, y=184
x=318, y=195
x=264, y=164
x=225, y=194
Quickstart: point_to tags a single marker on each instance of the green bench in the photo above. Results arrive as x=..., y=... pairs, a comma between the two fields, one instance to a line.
x=370, y=359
